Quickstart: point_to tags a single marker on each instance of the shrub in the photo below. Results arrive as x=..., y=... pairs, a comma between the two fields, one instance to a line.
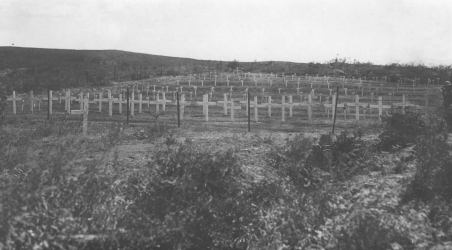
x=341, y=156
x=290, y=161
x=188, y=198
x=448, y=118
x=302, y=159
x=433, y=168
x=400, y=130
x=52, y=196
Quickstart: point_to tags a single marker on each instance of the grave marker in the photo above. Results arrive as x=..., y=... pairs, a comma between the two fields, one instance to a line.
x=205, y=103
x=14, y=99
x=110, y=103
x=225, y=103
x=32, y=99
x=232, y=108
x=380, y=107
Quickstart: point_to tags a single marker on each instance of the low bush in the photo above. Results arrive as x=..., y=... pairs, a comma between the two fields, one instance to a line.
x=190, y=199
x=448, y=118
x=52, y=195
x=290, y=161
x=304, y=161
x=433, y=168
x=341, y=156
x=400, y=130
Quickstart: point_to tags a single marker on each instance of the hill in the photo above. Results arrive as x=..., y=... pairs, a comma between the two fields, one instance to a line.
x=24, y=69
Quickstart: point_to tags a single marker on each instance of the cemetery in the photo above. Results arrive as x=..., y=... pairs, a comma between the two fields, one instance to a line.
x=225, y=159
x=223, y=97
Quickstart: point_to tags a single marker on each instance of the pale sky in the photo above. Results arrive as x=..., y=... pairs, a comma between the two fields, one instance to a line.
x=378, y=31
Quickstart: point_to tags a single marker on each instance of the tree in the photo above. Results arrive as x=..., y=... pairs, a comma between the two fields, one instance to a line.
x=233, y=65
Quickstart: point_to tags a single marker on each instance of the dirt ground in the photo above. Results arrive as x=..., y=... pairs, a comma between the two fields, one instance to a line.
x=250, y=147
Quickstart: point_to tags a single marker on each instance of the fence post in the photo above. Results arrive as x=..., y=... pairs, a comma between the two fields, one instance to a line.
x=178, y=110
x=48, y=104
x=128, y=106
x=249, y=109
x=335, y=109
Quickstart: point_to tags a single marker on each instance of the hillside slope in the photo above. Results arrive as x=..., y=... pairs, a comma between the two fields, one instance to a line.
x=25, y=69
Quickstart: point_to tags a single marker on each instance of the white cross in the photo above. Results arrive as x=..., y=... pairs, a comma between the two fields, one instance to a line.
x=51, y=101
x=380, y=107
x=110, y=102
x=32, y=99
x=256, y=105
x=225, y=103
x=283, y=106
x=182, y=104
x=100, y=100
x=67, y=101
x=83, y=112
x=232, y=108
x=14, y=99
x=205, y=106
x=356, y=104
x=404, y=104
x=269, y=106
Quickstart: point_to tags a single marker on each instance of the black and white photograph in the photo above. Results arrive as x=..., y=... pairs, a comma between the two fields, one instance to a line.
x=226, y=125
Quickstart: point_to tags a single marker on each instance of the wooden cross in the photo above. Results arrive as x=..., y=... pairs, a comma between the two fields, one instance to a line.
x=404, y=104
x=291, y=104
x=110, y=102
x=32, y=99
x=83, y=112
x=99, y=100
x=380, y=107
x=67, y=100
x=283, y=106
x=330, y=107
x=232, y=108
x=14, y=99
x=356, y=104
x=205, y=106
x=132, y=104
x=163, y=101
x=51, y=100
x=120, y=101
x=182, y=104
x=80, y=100
x=255, y=105
x=225, y=103
x=269, y=106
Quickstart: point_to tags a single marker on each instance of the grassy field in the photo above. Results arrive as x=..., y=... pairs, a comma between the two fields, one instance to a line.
x=368, y=93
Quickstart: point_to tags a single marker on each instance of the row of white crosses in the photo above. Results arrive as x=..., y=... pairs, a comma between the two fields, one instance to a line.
x=68, y=98
x=120, y=101
x=229, y=105
x=404, y=104
x=32, y=99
